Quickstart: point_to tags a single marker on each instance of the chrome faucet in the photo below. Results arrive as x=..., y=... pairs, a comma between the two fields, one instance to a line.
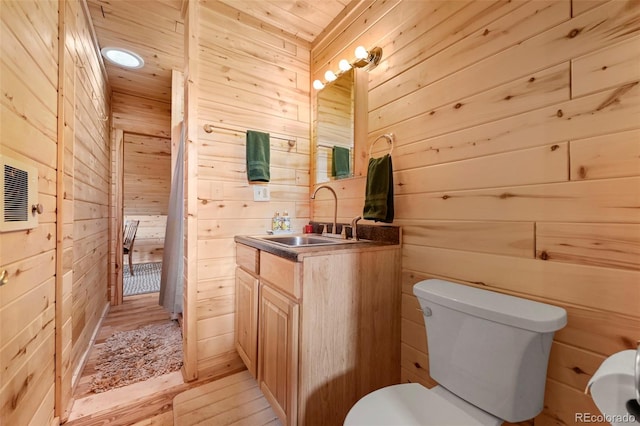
x=334, y=230
x=354, y=228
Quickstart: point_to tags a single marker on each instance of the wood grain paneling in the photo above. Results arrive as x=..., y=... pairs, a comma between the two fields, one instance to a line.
x=510, y=238
x=436, y=73
x=53, y=116
x=610, y=111
x=606, y=68
x=563, y=403
x=445, y=113
x=585, y=201
x=596, y=244
x=572, y=366
x=249, y=77
x=536, y=165
x=87, y=187
x=613, y=290
x=28, y=133
x=147, y=180
x=481, y=196
x=612, y=155
x=141, y=116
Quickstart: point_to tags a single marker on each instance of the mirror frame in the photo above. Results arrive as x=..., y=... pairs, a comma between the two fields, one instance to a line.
x=360, y=114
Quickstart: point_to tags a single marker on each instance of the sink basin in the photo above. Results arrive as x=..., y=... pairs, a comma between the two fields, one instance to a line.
x=304, y=240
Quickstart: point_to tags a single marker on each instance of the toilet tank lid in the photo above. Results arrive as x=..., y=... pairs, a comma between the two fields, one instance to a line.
x=505, y=309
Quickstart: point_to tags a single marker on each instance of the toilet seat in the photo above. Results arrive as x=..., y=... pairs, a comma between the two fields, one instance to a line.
x=411, y=404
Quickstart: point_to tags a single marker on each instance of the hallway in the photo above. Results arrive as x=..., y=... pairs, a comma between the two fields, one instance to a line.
x=143, y=403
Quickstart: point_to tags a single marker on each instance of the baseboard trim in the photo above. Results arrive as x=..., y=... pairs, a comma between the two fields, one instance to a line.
x=77, y=373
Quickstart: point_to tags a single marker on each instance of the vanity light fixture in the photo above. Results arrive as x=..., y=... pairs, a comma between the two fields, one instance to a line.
x=318, y=85
x=330, y=76
x=122, y=57
x=367, y=58
x=344, y=65
x=361, y=52
x=364, y=59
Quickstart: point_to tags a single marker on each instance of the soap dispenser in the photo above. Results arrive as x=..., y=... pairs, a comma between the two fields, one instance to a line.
x=286, y=221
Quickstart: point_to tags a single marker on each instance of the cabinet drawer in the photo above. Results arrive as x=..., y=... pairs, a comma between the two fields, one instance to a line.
x=281, y=273
x=248, y=258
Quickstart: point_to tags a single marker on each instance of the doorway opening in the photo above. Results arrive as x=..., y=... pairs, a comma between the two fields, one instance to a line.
x=146, y=190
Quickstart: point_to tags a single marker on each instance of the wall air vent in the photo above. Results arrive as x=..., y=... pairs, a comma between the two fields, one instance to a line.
x=19, y=195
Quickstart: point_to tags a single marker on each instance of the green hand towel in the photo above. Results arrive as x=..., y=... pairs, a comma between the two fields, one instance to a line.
x=340, y=162
x=378, y=204
x=258, y=156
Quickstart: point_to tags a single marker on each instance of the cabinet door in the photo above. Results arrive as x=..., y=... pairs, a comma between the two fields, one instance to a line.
x=246, y=320
x=278, y=352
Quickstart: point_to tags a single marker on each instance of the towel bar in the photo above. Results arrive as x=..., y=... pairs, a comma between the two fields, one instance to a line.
x=209, y=128
x=389, y=137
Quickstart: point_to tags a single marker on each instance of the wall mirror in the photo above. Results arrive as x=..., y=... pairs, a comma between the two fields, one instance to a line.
x=334, y=127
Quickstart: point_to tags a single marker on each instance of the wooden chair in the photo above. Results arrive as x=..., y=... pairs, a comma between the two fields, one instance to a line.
x=130, y=229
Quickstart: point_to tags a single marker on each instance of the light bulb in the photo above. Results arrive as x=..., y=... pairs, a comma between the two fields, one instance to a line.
x=361, y=52
x=330, y=75
x=344, y=65
x=318, y=85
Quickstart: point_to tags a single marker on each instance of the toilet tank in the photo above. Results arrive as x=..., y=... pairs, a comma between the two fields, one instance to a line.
x=487, y=348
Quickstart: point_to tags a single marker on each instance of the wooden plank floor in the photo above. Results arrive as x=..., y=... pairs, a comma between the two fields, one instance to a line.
x=148, y=403
x=135, y=312
x=232, y=401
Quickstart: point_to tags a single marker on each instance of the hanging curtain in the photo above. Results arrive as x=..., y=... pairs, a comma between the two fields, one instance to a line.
x=172, y=279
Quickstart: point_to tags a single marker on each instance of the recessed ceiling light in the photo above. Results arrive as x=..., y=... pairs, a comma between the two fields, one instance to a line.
x=122, y=57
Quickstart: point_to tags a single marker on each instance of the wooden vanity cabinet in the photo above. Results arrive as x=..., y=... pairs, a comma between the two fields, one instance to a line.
x=278, y=333
x=246, y=306
x=246, y=319
x=328, y=330
x=278, y=352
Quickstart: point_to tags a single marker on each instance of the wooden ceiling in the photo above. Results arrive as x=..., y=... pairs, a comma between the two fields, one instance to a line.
x=155, y=29
x=303, y=18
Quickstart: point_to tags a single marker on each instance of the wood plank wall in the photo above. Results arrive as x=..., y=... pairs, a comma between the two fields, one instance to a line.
x=91, y=186
x=147, y=185
x=29, y=131
x=516, y=163
x=250, y=76
x=134, y=114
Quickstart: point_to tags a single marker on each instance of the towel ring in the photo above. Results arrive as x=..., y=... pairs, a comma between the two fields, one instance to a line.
x=389, y=137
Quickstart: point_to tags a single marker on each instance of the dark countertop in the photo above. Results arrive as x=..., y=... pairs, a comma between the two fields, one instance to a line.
x=371, y=237
x=296, y=254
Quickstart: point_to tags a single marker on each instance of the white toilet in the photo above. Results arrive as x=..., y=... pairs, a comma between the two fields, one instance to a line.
x=489, y=353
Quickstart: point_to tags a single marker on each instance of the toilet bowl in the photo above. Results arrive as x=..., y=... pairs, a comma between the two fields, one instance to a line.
x=411, y=404
x=489, y=353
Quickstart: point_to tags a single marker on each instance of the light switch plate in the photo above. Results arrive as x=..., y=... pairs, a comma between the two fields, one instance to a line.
x=261, y=193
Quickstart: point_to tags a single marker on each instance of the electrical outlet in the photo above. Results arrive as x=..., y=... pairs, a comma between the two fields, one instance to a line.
x=261, y=193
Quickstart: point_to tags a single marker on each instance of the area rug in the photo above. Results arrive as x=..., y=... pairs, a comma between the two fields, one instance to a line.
x=145, y=278
x=133, y=356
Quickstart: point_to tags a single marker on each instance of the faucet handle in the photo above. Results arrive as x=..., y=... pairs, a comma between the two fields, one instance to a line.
x=343, y=233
